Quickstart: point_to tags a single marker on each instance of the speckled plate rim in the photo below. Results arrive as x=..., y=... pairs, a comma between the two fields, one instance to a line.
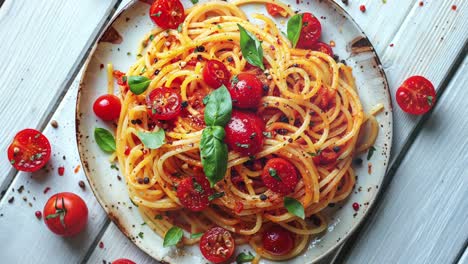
x=318, y=258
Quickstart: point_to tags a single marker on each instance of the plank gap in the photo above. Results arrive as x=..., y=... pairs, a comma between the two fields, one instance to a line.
x=462, y=253
x=94, y=245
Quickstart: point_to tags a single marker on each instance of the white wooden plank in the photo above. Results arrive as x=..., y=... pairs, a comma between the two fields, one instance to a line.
x=422, y=217
x=40, y=43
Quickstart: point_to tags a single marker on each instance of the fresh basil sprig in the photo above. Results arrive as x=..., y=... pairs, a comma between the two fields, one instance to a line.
x=218, y=107
x=104, y=139
x=294, y=207
x=294, y=29
x=243, y=258
x=173, y=236
x=152, y=140
x=251, y=48
x=138, y=84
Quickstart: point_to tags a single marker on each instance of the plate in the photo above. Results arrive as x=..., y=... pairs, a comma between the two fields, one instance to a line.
x=118, y=45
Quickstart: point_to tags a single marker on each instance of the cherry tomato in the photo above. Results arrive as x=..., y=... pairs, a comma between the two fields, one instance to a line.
x=244, y=133
x=323, y=47
x=29, y=151
x=275, y=10
x=325, y=157
x=246, y=91
x=123, y=261
x=167, y=13
x=107, y=107
x=216, y=74
x=193, y=193
x=277, y=240
x=416, y=95
x=217, y=245
x=280, y=176
x=65, y=214
x=310, y=32
x=164, y=103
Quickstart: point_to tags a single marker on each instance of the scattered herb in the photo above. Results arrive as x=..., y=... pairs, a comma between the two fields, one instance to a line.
x=179, y=28
x=158, y=217
x=294, y=207
x=243, y=258
x=173, y=236
x=315, y=154
x=197, y=186
x=430, y=100
x=370, y=153
x=246, y=146
x=151, y=37
x=113, y=166
x=273, y=173
x=267, y=134
x=251, y=48
x=141, y=235
x=294, y=29
x=194, y=1
x=158, y=14
x=138, y=84
x=104, y=139
x=215, y=196
x=152, y=140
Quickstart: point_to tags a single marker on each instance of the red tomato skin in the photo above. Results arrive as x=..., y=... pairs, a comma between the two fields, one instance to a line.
x=166, y=103
x=285, y=170
x=29, y=143
x=326, y=157
x=76, y=216
x=190, y=198
x=215, y=74
x=277, y=240
x=275, y=10
x=246, y=91
x=244, y=133
x=107, y=107
x=210, y=240
x=323, y=47
x=171, y=13
x=123, y=261
x=310, y=32
x=412, y=95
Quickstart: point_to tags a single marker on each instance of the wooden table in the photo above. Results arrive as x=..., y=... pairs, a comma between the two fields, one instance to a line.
x=422, y=212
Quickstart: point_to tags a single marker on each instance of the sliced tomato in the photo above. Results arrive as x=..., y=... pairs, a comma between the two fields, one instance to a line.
x=193, y=193
x=215, y=74
x=416, y=95
x=167, y=13
x=29, y=151
x=280, y=176
x=217, y=245
x=275, y=10
x=107, y=107
x=310, y=32
x=164, y=103
x=277, y=240
x=325, y=157
x=323, y=47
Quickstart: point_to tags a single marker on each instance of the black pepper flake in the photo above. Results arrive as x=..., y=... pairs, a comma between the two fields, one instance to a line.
x=282, y=131
x=345, y=2
x=265, y=88
x=199, y=48
x=284, y=119
x=146, y=180
x=136, y=122
x=357, y=161
x=140, y=180
x=336, y=148
x=11, y=199
x=316, y=220
x=331, y=205
x=184, y=104
x=230, y=59
x=54, y=123
x=263, y=197
x=81, y=184
x=119, y=178
x=156, y=72
x=21, y=188
x=199, y=57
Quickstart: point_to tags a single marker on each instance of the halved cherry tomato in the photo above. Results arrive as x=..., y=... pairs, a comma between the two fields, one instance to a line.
x=167, y=13
x=280, y=176
x=325, y=157
x=107, y=107
x=193, y=193
x=29, y=151
x=65, y=214
x=246, y=91
x=244, y=133
x=216, y=74
x=323, y=47
x=217, y=245
x=123, y=261
x=310, y=32
x=416, y=95
x=275, y=10
x=164, y=103
x=278, y=241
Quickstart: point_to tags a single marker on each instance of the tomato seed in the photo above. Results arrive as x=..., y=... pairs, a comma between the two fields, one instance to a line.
x=356, y=206
x=362, y=8
x=454, y=7
x=421, y=3
x=82, y=184
x=46, y=189
x=101, y=244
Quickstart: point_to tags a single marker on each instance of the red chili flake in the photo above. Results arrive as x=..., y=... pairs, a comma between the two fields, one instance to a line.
x=391, y=45
x=61, y=170
x=77, y=168
x=127, y=151
x=454, y=8
x=421, y=3
x=46, y=189
x=362, y=8
x=38, y=214
x=356, y=206
x=101, y=244
x=239, y=207
x=369, y=168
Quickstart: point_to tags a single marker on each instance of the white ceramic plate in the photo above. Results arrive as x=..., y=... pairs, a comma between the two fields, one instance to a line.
x=126, y=32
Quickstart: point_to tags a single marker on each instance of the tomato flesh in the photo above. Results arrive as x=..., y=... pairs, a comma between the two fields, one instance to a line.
x=68, y=207
x=163, y=104
x=280, y=176
x=216, y=74
x=275, y=10
x=107, y=107
x=29, y=151
x=167, y=13
x=416, y=95
x=326, y=157
x=278, y=241
x=123, y=261
x=246, y=91
x=244, y=133
x=217, y=245
x=323, y=47
x=310, y=32
x=193, y=193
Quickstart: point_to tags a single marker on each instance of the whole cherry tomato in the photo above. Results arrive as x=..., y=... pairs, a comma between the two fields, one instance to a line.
x=217, y=245
x=107, y=107
x=246, y=91
x=277, y=240
x=310, y=32
x=29, y=151
x=216, y=74
x=164, y=103
x=323, y=47
x=416, y=95
x=123, y=261
x=167, y=13
x=244, y=133
x=280, y=176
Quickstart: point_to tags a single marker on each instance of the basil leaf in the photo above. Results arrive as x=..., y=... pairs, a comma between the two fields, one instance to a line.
x=370, y=153
x=251, y=48
x=152, y=140
x=215, y=196
x=214, y=153
x=294, y=207
x=194, y=1
x=294, y=29
x=218, y=107
x=138, y=84
x=243, y=258
x=104, y=139
x=196, y=235
x=173, y=236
